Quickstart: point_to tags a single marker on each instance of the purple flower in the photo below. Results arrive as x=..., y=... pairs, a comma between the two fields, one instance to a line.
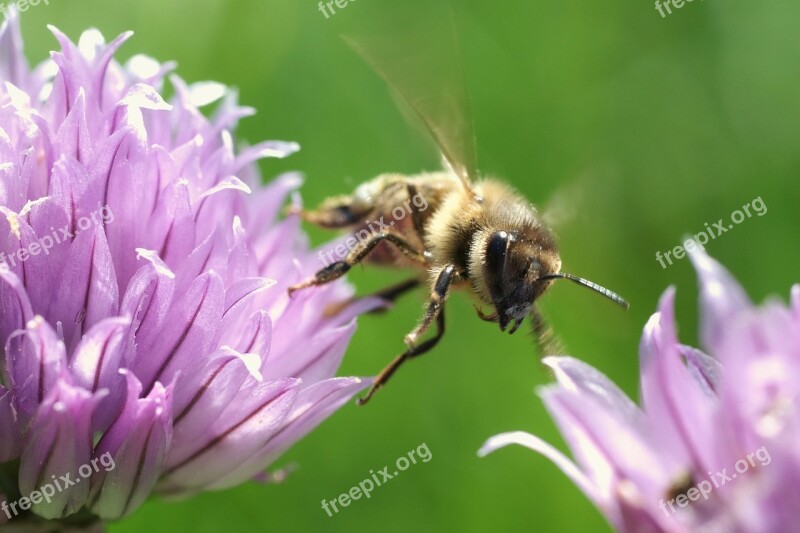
x=148, y=342
x=715, y=445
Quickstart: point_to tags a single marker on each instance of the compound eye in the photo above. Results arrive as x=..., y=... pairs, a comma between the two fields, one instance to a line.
x=496, y=255
x=497, y=247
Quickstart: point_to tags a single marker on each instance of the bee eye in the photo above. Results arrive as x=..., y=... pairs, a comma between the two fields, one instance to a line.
x=496, y=255
x=496, y=249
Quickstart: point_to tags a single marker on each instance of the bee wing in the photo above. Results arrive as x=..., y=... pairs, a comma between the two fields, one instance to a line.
x=415, y=50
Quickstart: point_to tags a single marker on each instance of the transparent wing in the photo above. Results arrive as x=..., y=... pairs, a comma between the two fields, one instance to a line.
x=414, y=47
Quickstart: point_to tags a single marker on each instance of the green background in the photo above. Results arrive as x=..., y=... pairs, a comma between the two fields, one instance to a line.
x=644, y=127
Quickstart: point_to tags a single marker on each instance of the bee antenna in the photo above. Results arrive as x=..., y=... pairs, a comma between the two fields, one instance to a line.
x=590, y=284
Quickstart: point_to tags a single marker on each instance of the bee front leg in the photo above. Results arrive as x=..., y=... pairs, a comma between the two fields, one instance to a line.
x=543, y=335
x=356, y=255
x=434, y=311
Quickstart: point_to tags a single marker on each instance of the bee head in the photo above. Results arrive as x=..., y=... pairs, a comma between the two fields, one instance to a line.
x=513, y=269
x=516, y=270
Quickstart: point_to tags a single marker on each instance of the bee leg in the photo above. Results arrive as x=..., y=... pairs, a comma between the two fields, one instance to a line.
x=356, y=255
x=387, y=372
x=334, y=218
x=435, y=310
x=543, y=336
x=334, y=213
x=389, y=295
x=446, y=277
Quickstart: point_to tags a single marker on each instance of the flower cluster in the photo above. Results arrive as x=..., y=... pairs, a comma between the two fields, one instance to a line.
x=165, y=338
x=714, y=447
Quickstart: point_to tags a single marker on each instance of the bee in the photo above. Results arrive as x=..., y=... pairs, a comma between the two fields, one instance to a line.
x=461, y=232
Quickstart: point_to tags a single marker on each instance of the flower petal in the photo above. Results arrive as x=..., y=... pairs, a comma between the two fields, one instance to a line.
x=202, y=396
x=36, y=362
x=133, y=452
x=721, y=298
x=570, y=469
x=88, y=290
x=679, y=408
x=577, y=376
x=248, y=423
x=57, y=444
x=190, y=329
x=96, y=362
x=607, y=449
x=706, y=370
x=313, y=405
x=15, y=308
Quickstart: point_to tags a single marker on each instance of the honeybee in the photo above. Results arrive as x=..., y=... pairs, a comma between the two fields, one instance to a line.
x=456, y=230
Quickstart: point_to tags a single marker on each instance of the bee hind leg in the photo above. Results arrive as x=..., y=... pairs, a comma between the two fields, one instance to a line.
x=389, y=295
x=356, y=255
x=393, y=293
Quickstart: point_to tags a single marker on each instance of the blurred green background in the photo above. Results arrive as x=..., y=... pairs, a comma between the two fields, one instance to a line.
x=644, y=127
